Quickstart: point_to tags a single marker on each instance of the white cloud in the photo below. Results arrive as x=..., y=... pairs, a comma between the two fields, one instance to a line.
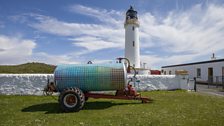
x=53, y=26
x=14, y=50
x=181, y=36
x=112, y=17
x=17, y=50
x=95, y=43
x=155, y=61
x=185, y=35
x=92, y=37
x=53, y=59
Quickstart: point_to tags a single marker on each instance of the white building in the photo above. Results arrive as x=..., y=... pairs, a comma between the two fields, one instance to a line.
x=201, y=70
x=131, y=26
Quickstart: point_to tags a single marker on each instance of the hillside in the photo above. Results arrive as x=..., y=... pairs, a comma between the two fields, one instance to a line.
x=27, y=68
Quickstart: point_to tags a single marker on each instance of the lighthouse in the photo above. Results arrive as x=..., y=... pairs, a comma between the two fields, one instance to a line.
x=131, y=26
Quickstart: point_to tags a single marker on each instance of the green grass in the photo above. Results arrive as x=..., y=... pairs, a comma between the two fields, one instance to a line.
x=27, y=68
x=167, y=108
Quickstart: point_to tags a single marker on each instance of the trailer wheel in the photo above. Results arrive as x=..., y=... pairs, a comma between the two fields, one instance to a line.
x=71, y=100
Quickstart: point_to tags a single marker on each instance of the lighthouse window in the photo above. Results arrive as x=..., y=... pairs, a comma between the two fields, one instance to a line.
x=133, y=28
x=133, y=43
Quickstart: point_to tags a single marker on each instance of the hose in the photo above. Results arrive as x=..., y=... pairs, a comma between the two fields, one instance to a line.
x=134, y=71
x=50, y=89
x=49, y=93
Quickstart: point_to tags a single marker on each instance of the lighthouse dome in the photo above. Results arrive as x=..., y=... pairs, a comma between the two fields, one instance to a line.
x=131, y=13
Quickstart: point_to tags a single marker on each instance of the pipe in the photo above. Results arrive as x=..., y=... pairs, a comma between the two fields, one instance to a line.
x=129, y=66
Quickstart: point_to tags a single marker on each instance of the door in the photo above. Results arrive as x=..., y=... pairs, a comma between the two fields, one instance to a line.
x=210, y=75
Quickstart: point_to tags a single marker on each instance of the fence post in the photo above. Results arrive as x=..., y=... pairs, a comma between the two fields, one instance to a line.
x=217, y=80
x=209, y=80
x=222, y=82
x=195, y=88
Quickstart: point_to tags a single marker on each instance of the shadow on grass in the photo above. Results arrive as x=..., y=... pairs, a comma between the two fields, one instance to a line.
x=52, y=108
x=46, y=107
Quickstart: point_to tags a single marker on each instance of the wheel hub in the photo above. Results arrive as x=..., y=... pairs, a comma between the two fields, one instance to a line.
x=70, y=100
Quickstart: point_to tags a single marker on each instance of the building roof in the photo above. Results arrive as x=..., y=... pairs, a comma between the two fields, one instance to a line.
x=202, y=62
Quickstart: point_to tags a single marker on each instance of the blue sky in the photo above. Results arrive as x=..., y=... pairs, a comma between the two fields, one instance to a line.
x=76, y=31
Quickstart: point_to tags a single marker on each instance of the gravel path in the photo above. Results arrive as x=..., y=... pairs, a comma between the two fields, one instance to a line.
x=213, y=90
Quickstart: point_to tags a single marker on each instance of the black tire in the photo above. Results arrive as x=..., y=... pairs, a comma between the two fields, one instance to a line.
x=71, y=100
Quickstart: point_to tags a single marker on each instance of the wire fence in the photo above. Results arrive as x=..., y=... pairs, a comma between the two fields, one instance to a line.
x=216, y=81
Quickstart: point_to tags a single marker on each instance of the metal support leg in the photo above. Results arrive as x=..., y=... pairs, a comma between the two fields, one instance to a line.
x=195, y=87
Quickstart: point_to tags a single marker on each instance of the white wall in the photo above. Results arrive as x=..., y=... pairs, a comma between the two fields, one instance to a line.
x=23, y=84
x=33, y=84
x=192, y=70
x=163, y=82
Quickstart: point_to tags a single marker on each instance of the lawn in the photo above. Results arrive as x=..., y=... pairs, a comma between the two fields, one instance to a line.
x=167, y=108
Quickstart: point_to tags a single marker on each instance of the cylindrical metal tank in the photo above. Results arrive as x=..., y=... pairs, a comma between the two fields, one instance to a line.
x=91, y=77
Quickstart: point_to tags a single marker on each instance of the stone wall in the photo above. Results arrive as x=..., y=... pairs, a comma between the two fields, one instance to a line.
x=163, y=82
x=33, y=84
x=23, y=84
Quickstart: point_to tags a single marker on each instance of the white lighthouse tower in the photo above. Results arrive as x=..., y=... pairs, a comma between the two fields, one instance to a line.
x=131, y=26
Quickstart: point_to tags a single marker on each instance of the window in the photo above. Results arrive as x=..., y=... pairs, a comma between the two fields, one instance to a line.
x=133, y=43
x=133, y=28
x=170, y=72
x=198, y=73
x=164, y=72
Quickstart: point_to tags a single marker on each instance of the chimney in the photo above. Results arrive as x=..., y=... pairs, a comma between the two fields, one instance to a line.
x=213, y=56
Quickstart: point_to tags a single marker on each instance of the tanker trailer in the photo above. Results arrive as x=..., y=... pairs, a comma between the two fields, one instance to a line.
x=76, y=82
